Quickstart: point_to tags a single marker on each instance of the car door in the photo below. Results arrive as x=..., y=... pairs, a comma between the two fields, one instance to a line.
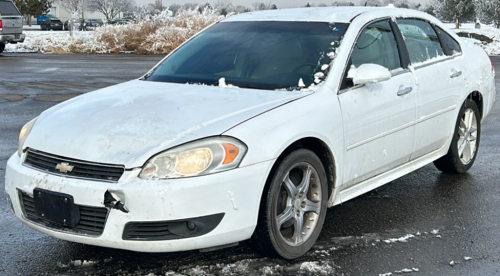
x=439, y=95
x=378, y=118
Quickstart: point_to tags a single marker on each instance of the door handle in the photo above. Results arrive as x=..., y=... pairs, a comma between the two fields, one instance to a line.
x=455, y=74
x=405, y=91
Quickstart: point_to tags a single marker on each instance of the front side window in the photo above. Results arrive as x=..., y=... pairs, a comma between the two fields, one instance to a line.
x=377, y=44
x=421, y=40
x=263, y=55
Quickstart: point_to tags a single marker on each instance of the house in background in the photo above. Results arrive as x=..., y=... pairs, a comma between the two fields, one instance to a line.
x=62, y=14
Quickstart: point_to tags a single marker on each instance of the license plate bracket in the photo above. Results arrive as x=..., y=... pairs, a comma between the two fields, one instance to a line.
x=56, y=207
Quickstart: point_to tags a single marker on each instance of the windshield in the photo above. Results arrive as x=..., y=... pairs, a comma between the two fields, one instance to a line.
x=264, y=55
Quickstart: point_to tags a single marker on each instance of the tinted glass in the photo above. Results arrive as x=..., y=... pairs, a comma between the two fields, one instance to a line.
x=421, y=40
x=449, y=42
x=265, y=55
x=7, y=8
x=377, y=44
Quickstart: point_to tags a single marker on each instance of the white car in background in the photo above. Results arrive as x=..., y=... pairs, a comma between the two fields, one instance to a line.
x=251, y=129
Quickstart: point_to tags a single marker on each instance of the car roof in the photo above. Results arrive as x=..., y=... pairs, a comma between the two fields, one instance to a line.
x=324, y=14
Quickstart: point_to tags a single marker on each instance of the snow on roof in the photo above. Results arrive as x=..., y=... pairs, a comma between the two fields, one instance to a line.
x=321, y=14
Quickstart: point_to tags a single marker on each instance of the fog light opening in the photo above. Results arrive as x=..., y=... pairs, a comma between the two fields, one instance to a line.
x=190, y=226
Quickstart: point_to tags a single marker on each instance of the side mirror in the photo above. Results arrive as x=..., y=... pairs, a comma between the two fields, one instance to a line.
x=369, y=73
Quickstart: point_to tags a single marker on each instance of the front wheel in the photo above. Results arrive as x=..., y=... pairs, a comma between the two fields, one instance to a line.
x=465, y=142
x=293, y=207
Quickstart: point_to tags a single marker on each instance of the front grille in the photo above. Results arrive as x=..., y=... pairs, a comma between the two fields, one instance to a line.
x=92, y=219
x=79, y=169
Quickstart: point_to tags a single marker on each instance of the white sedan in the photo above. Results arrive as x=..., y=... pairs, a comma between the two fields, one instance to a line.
x=251, y=129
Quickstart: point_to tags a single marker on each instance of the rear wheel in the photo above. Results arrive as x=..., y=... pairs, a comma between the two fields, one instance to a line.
x=293, y=207
x=2, y=47
x=465, y=142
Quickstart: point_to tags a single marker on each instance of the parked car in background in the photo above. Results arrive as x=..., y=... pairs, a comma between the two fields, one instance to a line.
x=11, y=24
x=75, y=22
x=51, y=24
x=251, y=129
x=90, y=24
x=121, y=22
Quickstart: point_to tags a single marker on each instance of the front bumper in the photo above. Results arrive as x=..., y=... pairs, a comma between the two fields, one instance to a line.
x=12, y=38
x=236, y=194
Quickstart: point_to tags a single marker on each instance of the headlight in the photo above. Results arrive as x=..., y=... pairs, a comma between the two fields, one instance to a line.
x=24, y=134
x=200, y=157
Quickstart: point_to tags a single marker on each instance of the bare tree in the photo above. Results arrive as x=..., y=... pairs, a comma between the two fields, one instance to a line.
x=74, y=7
x=258, y=6
x=223, y=7
x=111, y=8
x=157, y=5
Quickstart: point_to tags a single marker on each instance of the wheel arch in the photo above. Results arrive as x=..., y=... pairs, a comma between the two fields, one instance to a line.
x=477, y=97
x=319, y=148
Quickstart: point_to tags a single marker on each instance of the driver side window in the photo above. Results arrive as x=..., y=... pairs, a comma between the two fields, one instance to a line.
x=376, y=44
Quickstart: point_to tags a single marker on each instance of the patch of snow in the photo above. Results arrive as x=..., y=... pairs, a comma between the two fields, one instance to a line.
x=452, y=263
x=402, y=239
x=435, y=231
x=467, y=258
x=301, y=83
x=404, y=270
x=317, y=268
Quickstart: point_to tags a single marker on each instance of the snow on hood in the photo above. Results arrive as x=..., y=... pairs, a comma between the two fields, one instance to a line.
x=130, y=122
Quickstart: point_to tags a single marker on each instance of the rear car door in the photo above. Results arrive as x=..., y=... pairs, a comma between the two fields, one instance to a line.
x=12, y=22
x=438, y=96
x=378, y=118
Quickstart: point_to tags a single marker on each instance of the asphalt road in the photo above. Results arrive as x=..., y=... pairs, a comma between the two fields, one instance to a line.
x=427, y=222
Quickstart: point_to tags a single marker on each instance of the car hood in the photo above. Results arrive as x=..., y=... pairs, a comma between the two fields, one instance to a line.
x=128, y=123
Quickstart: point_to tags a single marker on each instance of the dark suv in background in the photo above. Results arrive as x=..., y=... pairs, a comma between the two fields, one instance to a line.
x=51, y=24
x=11, y=24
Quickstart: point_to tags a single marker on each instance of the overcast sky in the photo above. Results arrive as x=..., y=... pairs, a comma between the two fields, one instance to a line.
x=279, y=3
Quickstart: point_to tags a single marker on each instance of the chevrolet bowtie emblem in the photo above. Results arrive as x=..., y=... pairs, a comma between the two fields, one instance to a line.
x=64, y=167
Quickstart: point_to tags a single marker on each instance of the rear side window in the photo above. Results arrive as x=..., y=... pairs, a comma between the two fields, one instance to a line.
x=7, y=8
x=449, y=42
x=421, y=40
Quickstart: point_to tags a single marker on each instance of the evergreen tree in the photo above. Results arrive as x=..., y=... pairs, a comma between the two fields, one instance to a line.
x=489, y=11
x=455, y=10
x=33, y=8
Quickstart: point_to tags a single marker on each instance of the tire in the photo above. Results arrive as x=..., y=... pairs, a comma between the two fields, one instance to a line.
x=465, y=142
x=295, y=197
x=2, y=47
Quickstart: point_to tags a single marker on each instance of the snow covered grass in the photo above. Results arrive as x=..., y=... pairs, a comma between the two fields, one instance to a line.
x=159, y=35
x=492, y=48
x=155, y=35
